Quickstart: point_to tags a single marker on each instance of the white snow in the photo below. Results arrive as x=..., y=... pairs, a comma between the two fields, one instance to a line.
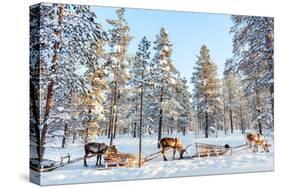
x=238, y=162
x=117, y=49
x=166, y=49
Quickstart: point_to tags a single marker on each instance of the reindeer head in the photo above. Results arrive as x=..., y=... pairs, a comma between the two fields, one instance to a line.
x=182, y=151
x=179, y=146
x=265, y=147
x=111, y=149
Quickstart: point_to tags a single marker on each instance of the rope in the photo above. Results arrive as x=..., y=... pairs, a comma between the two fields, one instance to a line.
x=186, y=148
x=239, y=146
x=154, y=155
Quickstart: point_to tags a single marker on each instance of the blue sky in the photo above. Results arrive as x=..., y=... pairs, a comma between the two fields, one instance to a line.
x=187, y=31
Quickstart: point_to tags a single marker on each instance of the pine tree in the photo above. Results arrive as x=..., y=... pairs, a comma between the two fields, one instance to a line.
x=253, y=53
x=118, y=41
x=184, y=107
x=163, y=72
x=230, y=92
x=206, y=93
x=141, y=63
x=139, y=83
x=242, y=106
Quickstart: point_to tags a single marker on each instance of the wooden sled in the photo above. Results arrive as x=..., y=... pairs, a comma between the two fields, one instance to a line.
x=122, y=160
x=207, y=150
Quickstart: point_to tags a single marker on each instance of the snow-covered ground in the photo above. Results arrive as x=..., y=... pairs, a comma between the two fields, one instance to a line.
x=240, y=162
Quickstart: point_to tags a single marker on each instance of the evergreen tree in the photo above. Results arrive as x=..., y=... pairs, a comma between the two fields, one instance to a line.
x=206, y=93
x=184, y=107
x=242, y=106
x=163, y=72
x=253, y=52
x=230, y=92
x=140, y=80
x=119, y=39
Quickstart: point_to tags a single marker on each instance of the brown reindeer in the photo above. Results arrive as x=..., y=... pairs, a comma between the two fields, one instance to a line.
x=174, y=143
x=254, y=140
x=98, y=149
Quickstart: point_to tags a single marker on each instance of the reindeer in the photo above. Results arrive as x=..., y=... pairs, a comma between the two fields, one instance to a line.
x=174, y=143
x=99, y=149
x=254, y=140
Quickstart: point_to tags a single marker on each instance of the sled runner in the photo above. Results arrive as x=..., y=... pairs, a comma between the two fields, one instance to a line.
x=49, y=165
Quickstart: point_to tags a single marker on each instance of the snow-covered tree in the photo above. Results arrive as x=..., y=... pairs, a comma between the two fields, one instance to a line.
x=139, y=84
x=253, y=49
x=140, y=71
x=67, y=36
x=242, y=106
x=184, y=108
x=163, y=72
x=206, y=92
x=230, y=89
x=235, y=112
x=119, y=38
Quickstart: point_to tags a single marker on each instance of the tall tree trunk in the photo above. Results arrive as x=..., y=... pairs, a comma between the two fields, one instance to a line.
x=74, y=137
x=231, y=120
x=258, y=110
x=160, y=116
x=140, y=139
x=113, y=127
x=224, y=118
x=110, y=117
x=241, y=113
x=272, y=101
x=64, y=135
x=199, y=123
x=207, y=125
x=116, y=113
x=135, y=130
x=230, y=108
x=259, y=123
x=183, y=131
x=241, y=122
x=135, y=123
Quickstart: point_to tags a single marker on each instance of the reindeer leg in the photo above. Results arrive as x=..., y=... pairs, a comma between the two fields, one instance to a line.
x=163, y=153
x=85, y=159
x=252, y=147
x=98, y=157
x=100, y=160
x=174, y=153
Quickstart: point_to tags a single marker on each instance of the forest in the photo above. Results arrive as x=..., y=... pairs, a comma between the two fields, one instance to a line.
x=84, y=84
